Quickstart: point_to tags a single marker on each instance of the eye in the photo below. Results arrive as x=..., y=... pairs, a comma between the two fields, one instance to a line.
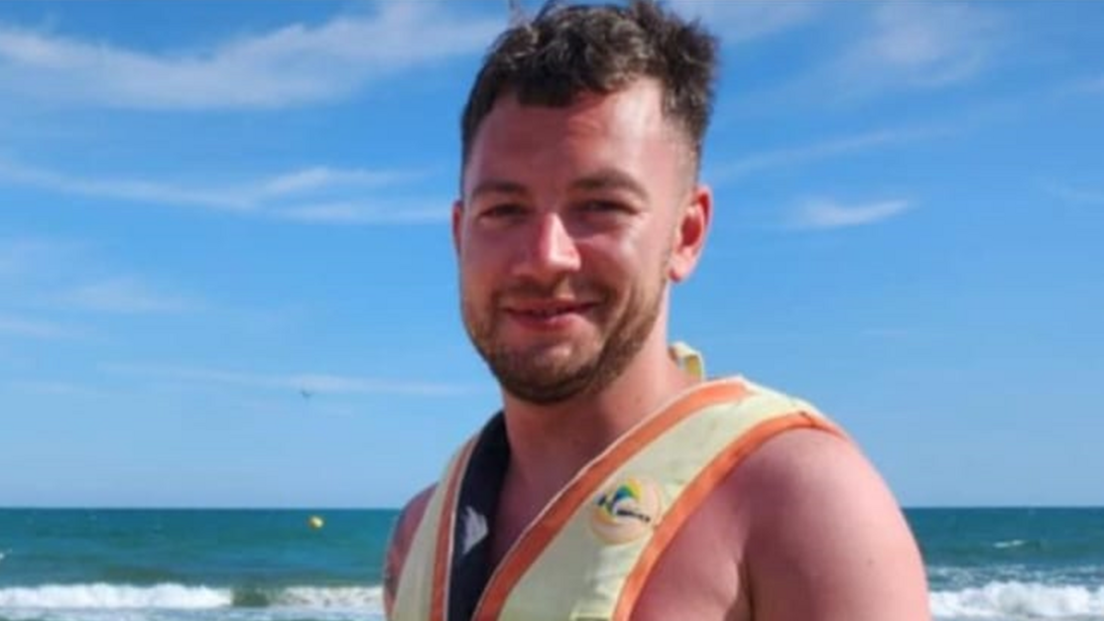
x=502, y=211
x=603, y=207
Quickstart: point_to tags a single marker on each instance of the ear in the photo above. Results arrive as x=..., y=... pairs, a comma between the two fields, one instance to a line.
x=457, y=223
x=690, y=232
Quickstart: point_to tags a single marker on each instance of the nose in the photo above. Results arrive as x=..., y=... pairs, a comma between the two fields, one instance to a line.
x=551, y=250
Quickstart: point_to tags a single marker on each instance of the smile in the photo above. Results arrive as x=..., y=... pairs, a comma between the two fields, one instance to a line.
x=552, y=311
x=548, y=314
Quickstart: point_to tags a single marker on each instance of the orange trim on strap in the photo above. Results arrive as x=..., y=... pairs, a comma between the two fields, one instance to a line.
x=552, y=520
x=698, y=490
x=442, y=557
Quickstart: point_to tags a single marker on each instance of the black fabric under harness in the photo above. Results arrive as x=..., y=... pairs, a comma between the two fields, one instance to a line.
x=476, y=507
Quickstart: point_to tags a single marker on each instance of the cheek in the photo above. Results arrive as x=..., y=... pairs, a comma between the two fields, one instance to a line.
x=638, y=255
x=482, y=249
x=479, y=269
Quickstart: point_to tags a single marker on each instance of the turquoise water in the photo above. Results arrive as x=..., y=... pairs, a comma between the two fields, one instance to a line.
x=203, y=565
x=1013, y=564
x=144, y=565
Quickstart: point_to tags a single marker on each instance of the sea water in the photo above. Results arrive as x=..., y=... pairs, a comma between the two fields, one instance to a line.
x=1013, y=564
x=253, y=565
x=191, y=565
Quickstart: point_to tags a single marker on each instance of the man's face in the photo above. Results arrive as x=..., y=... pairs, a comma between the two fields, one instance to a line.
x=565, y=236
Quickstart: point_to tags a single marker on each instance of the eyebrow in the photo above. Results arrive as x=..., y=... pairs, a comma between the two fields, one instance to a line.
x=610, y=179
x=498, y=186
x=604, y=179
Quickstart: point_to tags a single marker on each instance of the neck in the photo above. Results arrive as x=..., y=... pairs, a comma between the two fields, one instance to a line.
x=549, y=444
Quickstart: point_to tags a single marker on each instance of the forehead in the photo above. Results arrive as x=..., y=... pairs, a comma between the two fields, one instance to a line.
x=624, y=128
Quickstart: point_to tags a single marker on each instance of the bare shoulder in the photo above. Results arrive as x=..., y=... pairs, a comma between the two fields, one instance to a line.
x=826, y=540
x=401, y=537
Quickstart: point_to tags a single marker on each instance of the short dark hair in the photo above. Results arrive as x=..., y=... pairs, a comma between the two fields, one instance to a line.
x=568, y=50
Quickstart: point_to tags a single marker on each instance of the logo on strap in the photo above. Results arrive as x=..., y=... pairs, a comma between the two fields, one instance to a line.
x=626, y=510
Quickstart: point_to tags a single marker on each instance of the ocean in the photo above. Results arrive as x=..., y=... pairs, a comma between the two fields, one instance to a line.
x=260, y=565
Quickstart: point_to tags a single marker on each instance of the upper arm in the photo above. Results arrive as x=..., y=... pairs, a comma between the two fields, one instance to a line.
x=401, y=537
x=827, y=541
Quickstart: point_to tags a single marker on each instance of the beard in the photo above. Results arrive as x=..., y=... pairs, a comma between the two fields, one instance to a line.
x=540, y=379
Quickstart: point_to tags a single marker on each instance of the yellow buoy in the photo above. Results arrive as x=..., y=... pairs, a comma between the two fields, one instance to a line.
x=316, y=522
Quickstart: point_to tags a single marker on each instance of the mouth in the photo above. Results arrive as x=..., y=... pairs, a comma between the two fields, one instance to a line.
x=548, y=313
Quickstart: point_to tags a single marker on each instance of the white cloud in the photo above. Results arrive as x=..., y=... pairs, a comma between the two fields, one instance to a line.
x=25, y=256
x=127, y=296
x=738, y=22
x=1095, y=85
x=894, y=334
x=293, y=65
x=122, y=189
x=317, y=178
x=918, y=45
x=1074, y=195
x=313, y=384
x=40, y=273
x=265, y=197
x=826, y=214
x=794, y=156
x=826, y=333
x=1085, y=85
x=893, y=47
x=388, y=212
x=52, y=388
x=34, y=328
x=336, y=384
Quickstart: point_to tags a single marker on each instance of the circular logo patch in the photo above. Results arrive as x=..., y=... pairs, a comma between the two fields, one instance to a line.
x=626, y=510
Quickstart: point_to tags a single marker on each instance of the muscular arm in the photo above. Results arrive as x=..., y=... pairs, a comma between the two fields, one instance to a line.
x=827, y=541
x=401, y=538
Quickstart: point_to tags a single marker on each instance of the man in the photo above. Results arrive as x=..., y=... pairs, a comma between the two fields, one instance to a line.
x=618, y=483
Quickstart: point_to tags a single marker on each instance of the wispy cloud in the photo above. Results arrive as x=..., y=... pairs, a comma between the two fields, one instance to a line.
x=1094, y=85
x=892, y=334
x=291, y=66
x=311, y=194
x=318, y=178
x=1072, y=194
x=312, y=383
x=894, y=47
x=827, y=214
x=51, y=388
x=738, y=22
x=34, y=328
x=60, y=275
x=27, y=256
x=393, y=212
x=918, y=45
x=804, y=154
x=121, y=189
x=833, y=333
x=126, y=296
x=1085, y=85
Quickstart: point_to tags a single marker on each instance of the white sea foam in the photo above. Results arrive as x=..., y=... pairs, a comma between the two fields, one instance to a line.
x=167, y=602
x=1002, y=600
x=369, y=598
x=164, y=614
x=1014, y=543
x=114, y=596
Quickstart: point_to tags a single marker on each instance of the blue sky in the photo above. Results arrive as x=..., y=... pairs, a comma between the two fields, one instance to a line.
x=208, y=209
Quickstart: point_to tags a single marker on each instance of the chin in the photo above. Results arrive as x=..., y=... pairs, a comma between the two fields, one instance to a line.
x=563, y=355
